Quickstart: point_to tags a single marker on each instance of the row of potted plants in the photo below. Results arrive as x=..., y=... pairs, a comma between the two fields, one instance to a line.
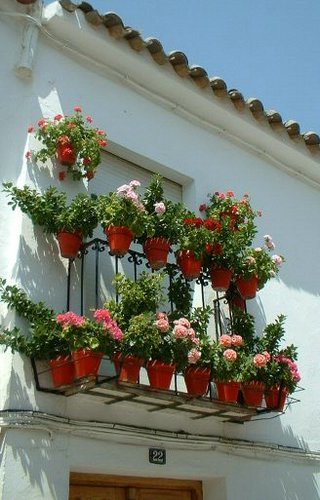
x=219, y=244
x=133, y=332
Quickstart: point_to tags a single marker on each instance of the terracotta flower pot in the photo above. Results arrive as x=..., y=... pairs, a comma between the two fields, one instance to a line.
x=190, y=266
x=128, y=368
x=156, y=250
x=65, y=151
x=227, y=390
x=220, y=278
x=69, y=243
x=197, y=380
x=160, y=374
x=86, y=362
x=253, y=392
x=275, y=397
x=247, y=287
x=119, y=239
x=62, y=370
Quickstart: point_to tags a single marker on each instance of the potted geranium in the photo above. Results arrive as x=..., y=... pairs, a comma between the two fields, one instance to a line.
x=254, y=267
x=193, y=241
x=135, y=312
x=163, y=223
x=192, y=350
x=72, y=344
x=227, y=363
x=232, y=223
x=122, y=216
x=282, y=374
x=73, y=140
x=70, y=223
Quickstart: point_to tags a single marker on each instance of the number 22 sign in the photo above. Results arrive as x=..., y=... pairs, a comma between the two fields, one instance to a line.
x=157, y=456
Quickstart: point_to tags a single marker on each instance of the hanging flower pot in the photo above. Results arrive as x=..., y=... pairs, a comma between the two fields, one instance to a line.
x=227, y=390
x=247, y=287
x=69, y=243
x=62, y=370
x=119, y=239
x=253, y=392
x=197, y=380
x=160, y=374
x=275, y=397
x=220, y=278
x=86, y=362
x=128, y=368
x=190, y=266
x=156, y=250
x=65, y=151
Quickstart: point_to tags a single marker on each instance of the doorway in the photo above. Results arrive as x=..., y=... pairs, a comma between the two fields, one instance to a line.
x=101, y=487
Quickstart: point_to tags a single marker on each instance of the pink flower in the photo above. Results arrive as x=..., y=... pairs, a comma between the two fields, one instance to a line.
x=259, y=360
x=180, y=331
x=236, y=340
x=225, y=340
x=277, y=259
x=28, y=154
x=42, y=122
x=259, y=213
x=70, y=319
x=267, y=355
x=191, y=333
x=162, y=325
x=202, y=207
x=230, y=354
x=89, y=119
x=195, y=340
x=62, y=175
x=77, y=109
x=30, y=129
x=101, y=132
x=182, y=321
x=134, y=184
x=230, y=194
x=162, y=315
x=159, y=208
x=102, y=315
x=221, y=196
x=193, y=356
x=71, y=125
x=102, y=143
x=115, y=331
x=122, y=190
x=58, y=117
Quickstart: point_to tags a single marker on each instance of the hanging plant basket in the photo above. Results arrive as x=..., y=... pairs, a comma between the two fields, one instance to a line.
x=119, y=239
x=69, y=243
x=156, y=250
x=190, y=266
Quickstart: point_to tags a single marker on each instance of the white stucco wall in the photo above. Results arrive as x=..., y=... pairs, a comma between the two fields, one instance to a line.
x=166, y=125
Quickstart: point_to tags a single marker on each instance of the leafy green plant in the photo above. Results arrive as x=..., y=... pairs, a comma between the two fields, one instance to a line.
x=258, y=262
x=78, y=134
x=51, y=211
x=164, y=217
x=123, y=208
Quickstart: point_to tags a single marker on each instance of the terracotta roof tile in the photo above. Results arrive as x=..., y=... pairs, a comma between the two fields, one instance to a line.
x=197, y=74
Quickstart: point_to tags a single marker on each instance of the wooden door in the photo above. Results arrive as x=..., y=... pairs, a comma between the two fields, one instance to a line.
x=81, y=492
x=101, y=487
x=160, y=494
